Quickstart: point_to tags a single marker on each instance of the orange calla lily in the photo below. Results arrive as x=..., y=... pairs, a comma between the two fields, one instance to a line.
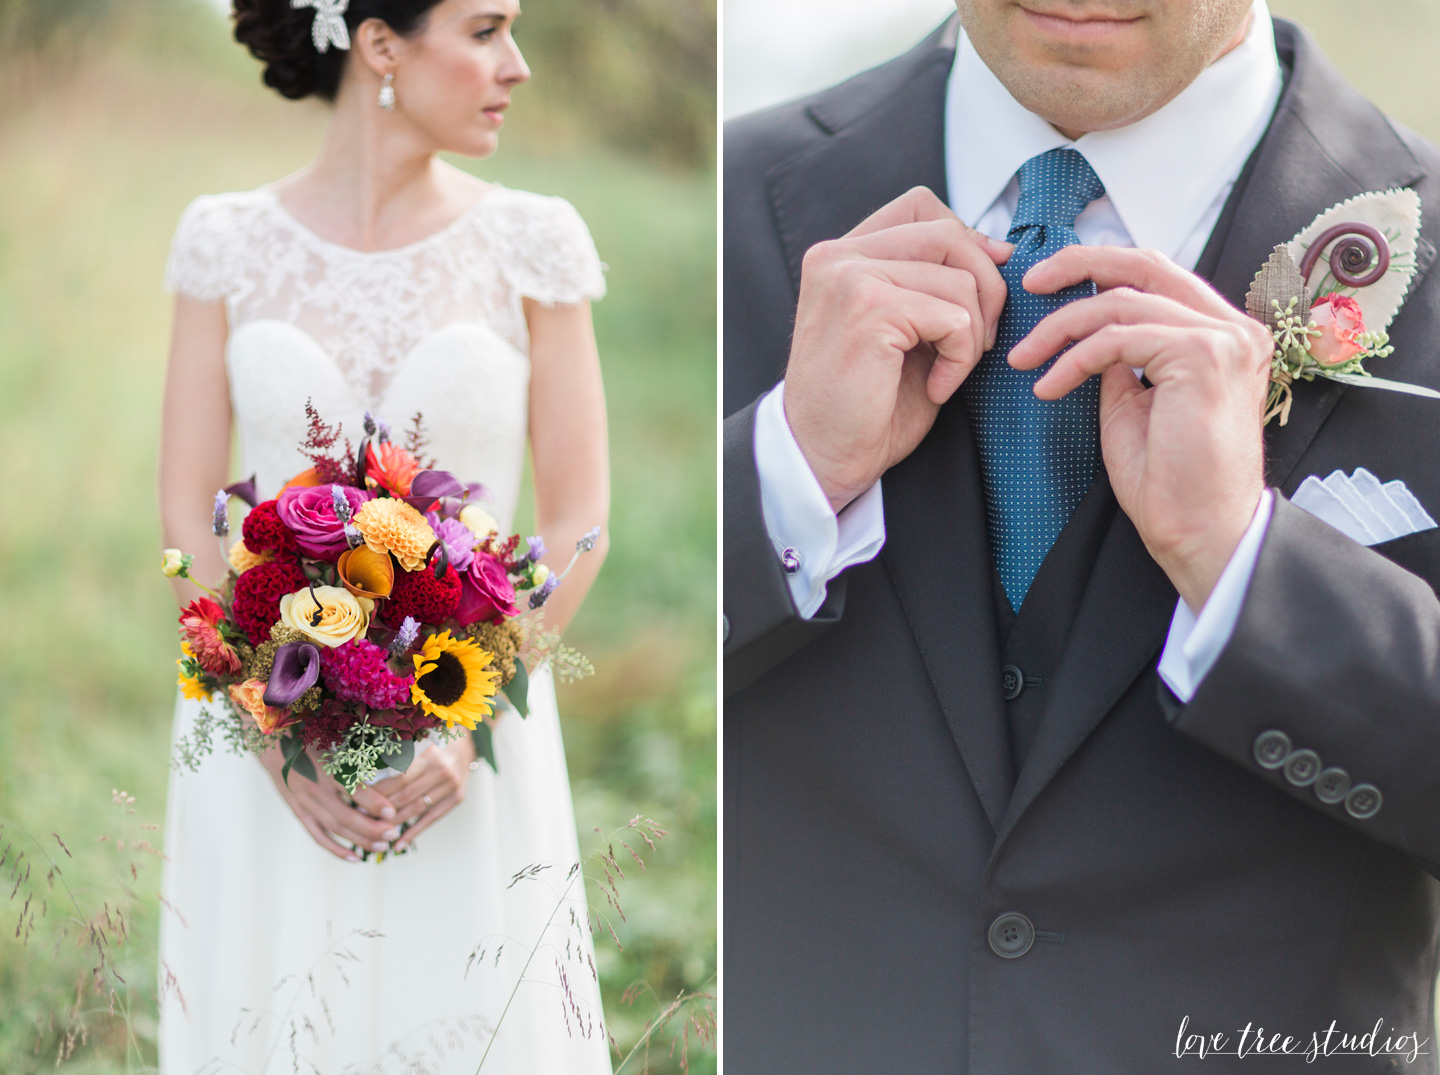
x=305, y=478
x=367, y=573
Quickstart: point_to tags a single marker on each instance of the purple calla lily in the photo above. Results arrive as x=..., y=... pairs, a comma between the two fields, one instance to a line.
x=296, y=670
x=244, y=490
x=429, y=486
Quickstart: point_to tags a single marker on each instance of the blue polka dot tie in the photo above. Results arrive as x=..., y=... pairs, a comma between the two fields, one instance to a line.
x=1037, y=458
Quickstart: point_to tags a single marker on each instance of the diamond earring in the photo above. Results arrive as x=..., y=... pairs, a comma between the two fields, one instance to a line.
x=387, y=93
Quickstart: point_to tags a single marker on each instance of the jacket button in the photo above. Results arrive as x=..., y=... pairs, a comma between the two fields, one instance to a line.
x=1012, y=681
x=1011, y=936
x=1271, y=749
x=1363, y=801
x=1332, y=785
x=1302, y=767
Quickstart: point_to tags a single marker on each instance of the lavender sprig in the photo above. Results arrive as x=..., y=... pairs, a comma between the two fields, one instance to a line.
x=342, y=506
x=541, y=593
x=409, y=630
x=220, y=524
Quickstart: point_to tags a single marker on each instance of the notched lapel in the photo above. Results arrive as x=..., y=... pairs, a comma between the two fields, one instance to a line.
x=882, y=133
x=1325, y=144
x=938, y=558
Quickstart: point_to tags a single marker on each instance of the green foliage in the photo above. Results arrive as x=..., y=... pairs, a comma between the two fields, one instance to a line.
x=96, y=162
x=361, y=755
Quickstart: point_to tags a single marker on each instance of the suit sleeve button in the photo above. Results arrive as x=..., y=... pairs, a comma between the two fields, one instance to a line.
x=1363, y=801
x=1271, y=749
x=1302, y=767
x=1332, y=785
x=1011, y=935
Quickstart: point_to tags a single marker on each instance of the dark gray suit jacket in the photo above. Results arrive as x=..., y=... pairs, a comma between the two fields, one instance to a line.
x=878, y=817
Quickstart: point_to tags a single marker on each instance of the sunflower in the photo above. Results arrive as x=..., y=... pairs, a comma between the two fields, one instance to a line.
x=453, y=680
x=191, y=683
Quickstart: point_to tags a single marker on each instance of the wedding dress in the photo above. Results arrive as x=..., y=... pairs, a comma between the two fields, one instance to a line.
x=260, y=924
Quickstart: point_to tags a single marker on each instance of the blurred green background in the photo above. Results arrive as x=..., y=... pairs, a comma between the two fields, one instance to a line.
x=116, y=113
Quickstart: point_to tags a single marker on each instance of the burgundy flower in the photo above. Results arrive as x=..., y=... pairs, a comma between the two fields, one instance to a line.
x=486, y=592
x=420, y=595
x=309, y=511
x=264, y=532
x=256, y=606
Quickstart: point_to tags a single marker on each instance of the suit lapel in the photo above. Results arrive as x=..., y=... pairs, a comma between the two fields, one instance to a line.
x=939, y=560
x=1325, y=144
x=885, y=134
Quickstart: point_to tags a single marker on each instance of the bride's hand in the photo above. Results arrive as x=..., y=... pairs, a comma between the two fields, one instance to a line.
x=326, y=811
x=432, y=787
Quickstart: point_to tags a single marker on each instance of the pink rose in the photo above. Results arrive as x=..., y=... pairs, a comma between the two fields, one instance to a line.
x=1340, y=322
x=485, y=592
x=309, y=512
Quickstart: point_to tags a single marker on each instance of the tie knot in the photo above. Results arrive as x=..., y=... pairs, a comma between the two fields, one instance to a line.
x=1054, y=187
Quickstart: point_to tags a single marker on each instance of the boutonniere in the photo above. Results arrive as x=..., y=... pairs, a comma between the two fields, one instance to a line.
x=1329, y=294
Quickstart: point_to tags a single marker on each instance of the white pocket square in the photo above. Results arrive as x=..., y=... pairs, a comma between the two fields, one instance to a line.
x=1361, y=507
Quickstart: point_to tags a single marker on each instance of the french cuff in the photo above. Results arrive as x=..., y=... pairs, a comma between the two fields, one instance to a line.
x=1195, y=642
x=813, y=543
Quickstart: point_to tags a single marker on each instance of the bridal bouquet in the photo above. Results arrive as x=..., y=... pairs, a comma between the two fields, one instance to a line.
x=372, y=603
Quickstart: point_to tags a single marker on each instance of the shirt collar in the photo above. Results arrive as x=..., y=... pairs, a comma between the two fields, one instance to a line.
x=1161, y=173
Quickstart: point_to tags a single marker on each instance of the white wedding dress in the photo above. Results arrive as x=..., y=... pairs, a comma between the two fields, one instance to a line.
x=260, y=923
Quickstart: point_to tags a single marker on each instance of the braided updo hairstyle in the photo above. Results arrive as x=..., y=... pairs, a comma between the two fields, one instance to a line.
x=279, y=36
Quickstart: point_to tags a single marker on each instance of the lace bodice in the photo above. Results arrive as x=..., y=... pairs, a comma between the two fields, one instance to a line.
x=435, y=327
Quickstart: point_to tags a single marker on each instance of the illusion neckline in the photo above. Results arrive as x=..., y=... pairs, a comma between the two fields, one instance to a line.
x=272, y=198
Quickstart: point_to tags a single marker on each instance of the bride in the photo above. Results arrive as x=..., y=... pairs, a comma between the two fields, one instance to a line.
x=381, y=279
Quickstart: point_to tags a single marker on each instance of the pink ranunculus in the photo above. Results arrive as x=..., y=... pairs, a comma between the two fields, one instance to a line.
x=1340, y=322
x=309, y=512
x=486, y=592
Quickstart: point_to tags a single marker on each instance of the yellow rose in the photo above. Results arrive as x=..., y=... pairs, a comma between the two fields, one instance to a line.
x=541, y=574
x=342, y=615
x=479, y=521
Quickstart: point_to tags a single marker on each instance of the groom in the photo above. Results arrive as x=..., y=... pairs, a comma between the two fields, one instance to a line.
x=1057, y=739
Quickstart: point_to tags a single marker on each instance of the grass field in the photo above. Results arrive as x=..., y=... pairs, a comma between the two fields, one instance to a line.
x=97, y=158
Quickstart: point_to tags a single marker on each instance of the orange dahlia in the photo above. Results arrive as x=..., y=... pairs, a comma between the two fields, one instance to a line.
x=391, y=525
x=390, y=467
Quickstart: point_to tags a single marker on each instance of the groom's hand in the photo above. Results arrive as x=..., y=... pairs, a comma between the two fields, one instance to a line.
x=1185, y=457
x=891, y=319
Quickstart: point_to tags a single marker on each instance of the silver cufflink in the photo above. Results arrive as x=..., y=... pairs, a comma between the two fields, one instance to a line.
x=790, y=560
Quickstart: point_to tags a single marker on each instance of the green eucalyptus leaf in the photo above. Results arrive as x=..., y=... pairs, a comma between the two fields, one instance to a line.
x=290, y=747
x=402, y=758
x=518, y=689
x=305, y=767
x=484, y=740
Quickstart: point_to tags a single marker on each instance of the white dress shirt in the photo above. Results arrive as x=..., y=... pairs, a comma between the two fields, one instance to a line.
x=1166, y=179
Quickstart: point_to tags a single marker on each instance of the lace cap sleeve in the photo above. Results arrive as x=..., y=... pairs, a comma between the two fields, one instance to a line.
x=552, y=257
x=198, y=263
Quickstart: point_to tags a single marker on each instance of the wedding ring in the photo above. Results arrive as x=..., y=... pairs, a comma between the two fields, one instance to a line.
x=427, y=801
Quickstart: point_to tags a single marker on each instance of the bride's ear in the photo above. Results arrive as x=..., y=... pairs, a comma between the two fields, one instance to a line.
x=376, y=46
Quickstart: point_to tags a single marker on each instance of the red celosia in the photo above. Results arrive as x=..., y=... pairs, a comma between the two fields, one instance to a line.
x=256, y=607
x=357, y=672
x=422, y=595
x=200, y=626
x=324, y=728
x=264, y=532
